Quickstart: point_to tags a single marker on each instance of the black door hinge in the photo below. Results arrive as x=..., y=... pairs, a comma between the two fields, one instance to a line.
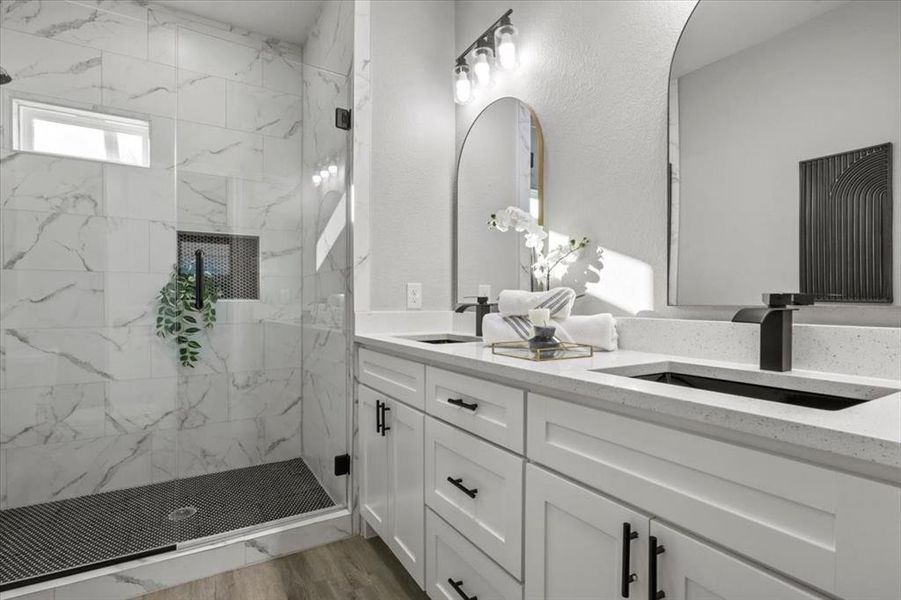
x=342, y=119
x=342, y=464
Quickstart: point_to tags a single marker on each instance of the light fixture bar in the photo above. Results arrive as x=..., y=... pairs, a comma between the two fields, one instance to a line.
x=488, y=33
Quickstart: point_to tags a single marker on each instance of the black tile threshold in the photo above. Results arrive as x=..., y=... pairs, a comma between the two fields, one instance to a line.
x=44, y=541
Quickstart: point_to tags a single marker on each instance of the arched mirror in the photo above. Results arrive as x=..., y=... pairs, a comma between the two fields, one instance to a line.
x=784, y=126
x=500, y=165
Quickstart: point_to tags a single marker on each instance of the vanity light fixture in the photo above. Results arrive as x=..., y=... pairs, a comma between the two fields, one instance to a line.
x=496, y=47
x=482, y=58
x=317, y=179
x=332, y=169
x=505, y=38
x=323, y=172
x=462, y=83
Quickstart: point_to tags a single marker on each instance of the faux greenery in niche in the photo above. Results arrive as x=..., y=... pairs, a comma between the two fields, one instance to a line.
x=177, y=318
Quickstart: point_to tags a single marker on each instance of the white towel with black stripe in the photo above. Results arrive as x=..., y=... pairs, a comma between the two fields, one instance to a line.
x=598, y=331
x=518, y=303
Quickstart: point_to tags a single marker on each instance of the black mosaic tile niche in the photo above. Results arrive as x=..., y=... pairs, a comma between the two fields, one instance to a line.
x=233, y=262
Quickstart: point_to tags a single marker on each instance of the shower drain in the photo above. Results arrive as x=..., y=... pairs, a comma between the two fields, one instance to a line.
x=180, y=514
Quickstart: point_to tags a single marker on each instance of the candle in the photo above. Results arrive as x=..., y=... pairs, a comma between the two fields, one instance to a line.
x=540, y=317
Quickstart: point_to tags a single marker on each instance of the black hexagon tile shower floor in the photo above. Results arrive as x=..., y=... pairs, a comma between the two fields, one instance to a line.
x=56, y=537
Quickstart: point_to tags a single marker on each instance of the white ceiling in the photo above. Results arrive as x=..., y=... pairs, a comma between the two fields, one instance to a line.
x=286, y=20
x=719, y=29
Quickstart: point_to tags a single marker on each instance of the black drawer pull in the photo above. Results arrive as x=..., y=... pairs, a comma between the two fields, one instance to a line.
x=458, y=483
x=627, y=576
x=458, y=587
x=384, y=410
x=653, y=551
x=459, y=402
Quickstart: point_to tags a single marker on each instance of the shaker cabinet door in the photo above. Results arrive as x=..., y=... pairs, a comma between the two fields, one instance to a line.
x=406, y=505
x=575, y=547
x=374, y=462
x=689, y=569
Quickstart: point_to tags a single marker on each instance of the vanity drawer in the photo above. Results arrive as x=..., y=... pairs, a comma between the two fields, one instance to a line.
x=490, y=410
x=399, y=378
x=477, y=488
x=450, y=557
x=837, y=532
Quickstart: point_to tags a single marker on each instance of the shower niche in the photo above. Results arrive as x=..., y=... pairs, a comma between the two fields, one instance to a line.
x=230, y=262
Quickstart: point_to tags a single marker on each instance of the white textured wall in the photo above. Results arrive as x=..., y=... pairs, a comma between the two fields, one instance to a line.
x=799, y=97
x=412, y=49
x=596, y=75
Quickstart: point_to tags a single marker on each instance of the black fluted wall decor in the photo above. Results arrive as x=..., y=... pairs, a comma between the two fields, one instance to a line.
x=846, y=226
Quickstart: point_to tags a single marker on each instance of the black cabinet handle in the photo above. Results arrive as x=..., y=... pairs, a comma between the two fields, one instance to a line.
x=458, y=587
x=378, y=416
x=385, y=409
x=627, y=576
x=198, y=279
x=458, y=483
x=653, y=551
x=459, y=402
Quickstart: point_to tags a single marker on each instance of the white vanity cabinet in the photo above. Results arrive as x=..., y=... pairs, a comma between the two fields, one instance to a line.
x=836, y=532
x=391, y=482
x=530, y=496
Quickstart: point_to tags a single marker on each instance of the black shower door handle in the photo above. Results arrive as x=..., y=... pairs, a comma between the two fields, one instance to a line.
x=458, y=587
x=198, y=279
x=627, y=575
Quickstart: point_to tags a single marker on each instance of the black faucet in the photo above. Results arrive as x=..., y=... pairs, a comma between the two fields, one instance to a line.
x=482, y=308
x=775, y=321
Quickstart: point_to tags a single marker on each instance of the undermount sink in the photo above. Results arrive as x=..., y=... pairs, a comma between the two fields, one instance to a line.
x=784, y=388
x=442, y=338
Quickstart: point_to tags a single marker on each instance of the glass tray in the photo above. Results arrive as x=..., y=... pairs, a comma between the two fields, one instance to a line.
x=562, y=352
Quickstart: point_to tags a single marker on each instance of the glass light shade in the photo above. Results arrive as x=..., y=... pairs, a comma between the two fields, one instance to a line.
x=505, y=38
x=482, y=66
x=317, y=179
x=462, y=84
x=333, y=169
x=323, y=173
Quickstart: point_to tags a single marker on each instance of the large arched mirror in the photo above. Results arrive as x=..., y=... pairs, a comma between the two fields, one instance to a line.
x=500, y=165
x=784, y=126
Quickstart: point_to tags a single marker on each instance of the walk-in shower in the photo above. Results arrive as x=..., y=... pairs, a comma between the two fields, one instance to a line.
x=139, y=409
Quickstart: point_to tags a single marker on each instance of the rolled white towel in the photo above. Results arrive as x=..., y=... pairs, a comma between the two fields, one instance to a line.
x=518, y=303
x=498, y=328
x=595, y=330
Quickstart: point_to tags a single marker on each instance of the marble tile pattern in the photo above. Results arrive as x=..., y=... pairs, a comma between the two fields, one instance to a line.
x=91, y=399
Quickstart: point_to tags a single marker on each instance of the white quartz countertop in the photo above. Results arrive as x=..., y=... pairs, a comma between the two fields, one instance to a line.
x=865, y=438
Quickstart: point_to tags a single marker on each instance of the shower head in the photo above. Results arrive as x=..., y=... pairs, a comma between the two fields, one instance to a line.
x=4, y=76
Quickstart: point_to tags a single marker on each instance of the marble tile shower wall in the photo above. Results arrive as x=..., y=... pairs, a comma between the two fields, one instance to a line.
x=92, y=400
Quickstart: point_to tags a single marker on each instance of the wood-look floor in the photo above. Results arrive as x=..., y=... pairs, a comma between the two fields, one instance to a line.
x=355, y=568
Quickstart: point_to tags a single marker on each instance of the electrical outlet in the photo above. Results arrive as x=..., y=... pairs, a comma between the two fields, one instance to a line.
x=414, y=295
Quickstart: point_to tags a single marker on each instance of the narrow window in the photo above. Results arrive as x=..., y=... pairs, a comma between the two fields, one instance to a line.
x=63, y=131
